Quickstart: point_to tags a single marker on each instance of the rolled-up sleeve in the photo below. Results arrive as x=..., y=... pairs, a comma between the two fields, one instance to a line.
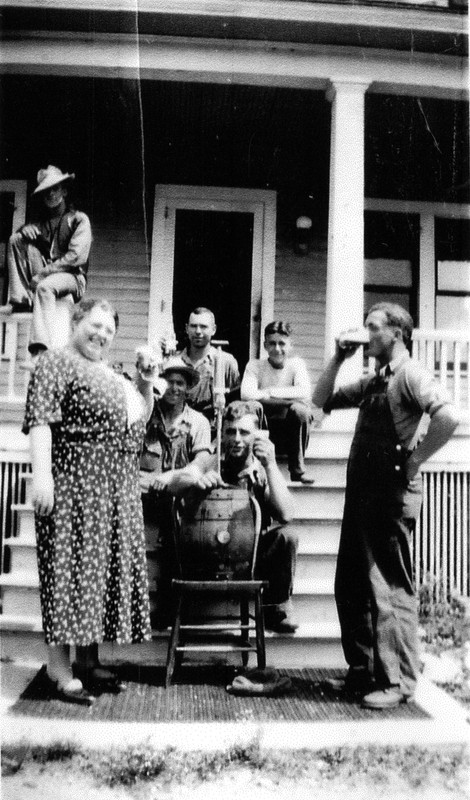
x=349, y=396
x=200, y=434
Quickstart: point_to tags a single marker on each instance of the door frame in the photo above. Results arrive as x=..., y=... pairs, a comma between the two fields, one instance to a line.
x=168, y=199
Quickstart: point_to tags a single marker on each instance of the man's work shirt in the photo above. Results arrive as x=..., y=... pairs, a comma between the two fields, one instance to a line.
x=290, y=382
x=412, y=392
x=66, y=241
x=201, y=397
x=174, y=446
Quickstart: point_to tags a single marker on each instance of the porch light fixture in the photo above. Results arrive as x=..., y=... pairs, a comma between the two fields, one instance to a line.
x=303, y=226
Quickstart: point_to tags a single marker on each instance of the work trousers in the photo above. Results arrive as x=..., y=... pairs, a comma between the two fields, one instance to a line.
x=376, y=604
x=276, y=563
x=24, y=262
x=289, y=429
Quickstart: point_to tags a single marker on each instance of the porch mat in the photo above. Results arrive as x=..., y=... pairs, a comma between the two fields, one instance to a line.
x=198, y=694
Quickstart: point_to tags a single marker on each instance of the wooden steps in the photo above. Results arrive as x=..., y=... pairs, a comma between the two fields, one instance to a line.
x=317, y=525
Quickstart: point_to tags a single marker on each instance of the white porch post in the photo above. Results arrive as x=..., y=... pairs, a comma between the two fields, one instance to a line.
x=345, y=262
x=427, y=279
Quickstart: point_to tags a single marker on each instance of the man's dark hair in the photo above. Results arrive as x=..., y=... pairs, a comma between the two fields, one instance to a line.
x=239, y=409
x=82, y=309
x=278, y=326
x=397, y=317
x=202, y=310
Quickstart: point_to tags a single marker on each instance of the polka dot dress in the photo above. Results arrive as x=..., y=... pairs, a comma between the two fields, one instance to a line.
x=91, y=549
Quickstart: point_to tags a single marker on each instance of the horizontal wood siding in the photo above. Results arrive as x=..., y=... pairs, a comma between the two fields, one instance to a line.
x=300, y=294
x=119, y=272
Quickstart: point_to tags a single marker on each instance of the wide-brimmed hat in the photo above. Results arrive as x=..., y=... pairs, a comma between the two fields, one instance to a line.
x=176, y=364
x=51, y=176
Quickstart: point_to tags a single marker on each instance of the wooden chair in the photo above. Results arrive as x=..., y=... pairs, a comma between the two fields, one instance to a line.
x=187, y=593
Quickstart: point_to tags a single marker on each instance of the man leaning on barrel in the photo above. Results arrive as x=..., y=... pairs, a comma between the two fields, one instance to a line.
x=248, y=459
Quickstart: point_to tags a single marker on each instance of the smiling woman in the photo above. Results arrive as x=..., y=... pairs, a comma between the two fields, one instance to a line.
x=87, y=425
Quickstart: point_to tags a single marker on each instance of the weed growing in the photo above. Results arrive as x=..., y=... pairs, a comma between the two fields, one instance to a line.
x=414, y=767
x=443, y=617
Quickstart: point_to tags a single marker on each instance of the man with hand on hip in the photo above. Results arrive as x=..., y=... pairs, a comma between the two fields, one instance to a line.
x=374, y=591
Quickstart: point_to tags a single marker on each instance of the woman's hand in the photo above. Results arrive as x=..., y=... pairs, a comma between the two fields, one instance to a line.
x=43, y=493
x=147, y=362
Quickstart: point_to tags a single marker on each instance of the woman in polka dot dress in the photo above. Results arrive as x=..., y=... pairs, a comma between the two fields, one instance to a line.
x=86, y=427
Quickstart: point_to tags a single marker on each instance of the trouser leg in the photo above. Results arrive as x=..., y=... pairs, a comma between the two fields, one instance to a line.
x=50, y=289
x=394, y=606
x=276, y=562
x=297, y=424
x=352, y=596
x=24, y=261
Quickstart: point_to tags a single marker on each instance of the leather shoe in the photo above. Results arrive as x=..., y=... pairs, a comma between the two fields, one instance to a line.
x=356, y=682
x=391, y=697
x=278, y=621
x=301, y=477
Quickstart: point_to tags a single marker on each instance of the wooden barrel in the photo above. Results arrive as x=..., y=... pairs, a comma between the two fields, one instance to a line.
x=217, y=538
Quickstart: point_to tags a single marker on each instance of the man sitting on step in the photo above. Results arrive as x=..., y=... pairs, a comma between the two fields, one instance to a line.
x=248, y=459
x=177, y=446
x=48, y=258
x=282, y=385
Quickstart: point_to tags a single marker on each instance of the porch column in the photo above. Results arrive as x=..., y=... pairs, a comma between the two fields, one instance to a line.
x=345, y=261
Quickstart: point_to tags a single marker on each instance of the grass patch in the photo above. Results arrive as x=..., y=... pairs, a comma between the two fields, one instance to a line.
x=414, y=767
x=443, y=616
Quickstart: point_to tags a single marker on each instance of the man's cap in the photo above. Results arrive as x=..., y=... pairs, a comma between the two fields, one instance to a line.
x=176, y=364
x=51, y=176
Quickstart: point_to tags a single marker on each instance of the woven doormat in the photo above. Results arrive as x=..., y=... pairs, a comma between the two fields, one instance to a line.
x=199, y=695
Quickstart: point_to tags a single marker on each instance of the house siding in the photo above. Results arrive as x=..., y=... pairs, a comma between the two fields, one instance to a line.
x=300, y=298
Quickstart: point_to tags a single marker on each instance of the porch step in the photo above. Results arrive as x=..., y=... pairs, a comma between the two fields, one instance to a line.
x=319, y=536
x=325, y=471
x=20, y=595
x=25, y=511
x=318, y=501
x=23, y=556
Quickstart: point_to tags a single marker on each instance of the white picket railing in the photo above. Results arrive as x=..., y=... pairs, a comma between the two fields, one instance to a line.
x=446, y=353
x=14, y=334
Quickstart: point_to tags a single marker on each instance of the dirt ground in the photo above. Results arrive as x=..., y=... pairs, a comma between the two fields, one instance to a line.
x=65, y=782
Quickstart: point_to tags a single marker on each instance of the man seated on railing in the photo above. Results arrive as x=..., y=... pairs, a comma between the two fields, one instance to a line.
x=48, y=258
x=248, y=459
x=374, y=591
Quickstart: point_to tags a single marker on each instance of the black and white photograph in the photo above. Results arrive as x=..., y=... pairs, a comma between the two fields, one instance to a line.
x=234, y=399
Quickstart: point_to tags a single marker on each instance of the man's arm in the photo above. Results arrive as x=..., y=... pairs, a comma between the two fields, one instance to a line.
x=326, y=382
x=280, y=500
x=443, y=424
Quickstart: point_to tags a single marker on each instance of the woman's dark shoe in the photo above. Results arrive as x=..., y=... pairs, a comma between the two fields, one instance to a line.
x=71, y=692
x=99, y=680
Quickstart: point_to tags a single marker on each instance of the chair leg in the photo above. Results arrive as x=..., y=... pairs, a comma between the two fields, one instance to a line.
x=174, y=639
x=245, y=634
x=259, y=621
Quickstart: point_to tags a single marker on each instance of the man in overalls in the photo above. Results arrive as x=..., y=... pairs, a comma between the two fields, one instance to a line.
x=374, y=593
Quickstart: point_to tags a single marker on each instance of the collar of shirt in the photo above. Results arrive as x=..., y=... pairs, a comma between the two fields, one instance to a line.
x=209, y=357
x=393, y=366
x=182, y=420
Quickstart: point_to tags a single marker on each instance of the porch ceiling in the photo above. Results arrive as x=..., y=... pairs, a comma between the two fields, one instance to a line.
x=396, y=26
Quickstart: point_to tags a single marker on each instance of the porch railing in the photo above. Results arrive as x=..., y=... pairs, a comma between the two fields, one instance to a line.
x=447, y=354
x=14, y=334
